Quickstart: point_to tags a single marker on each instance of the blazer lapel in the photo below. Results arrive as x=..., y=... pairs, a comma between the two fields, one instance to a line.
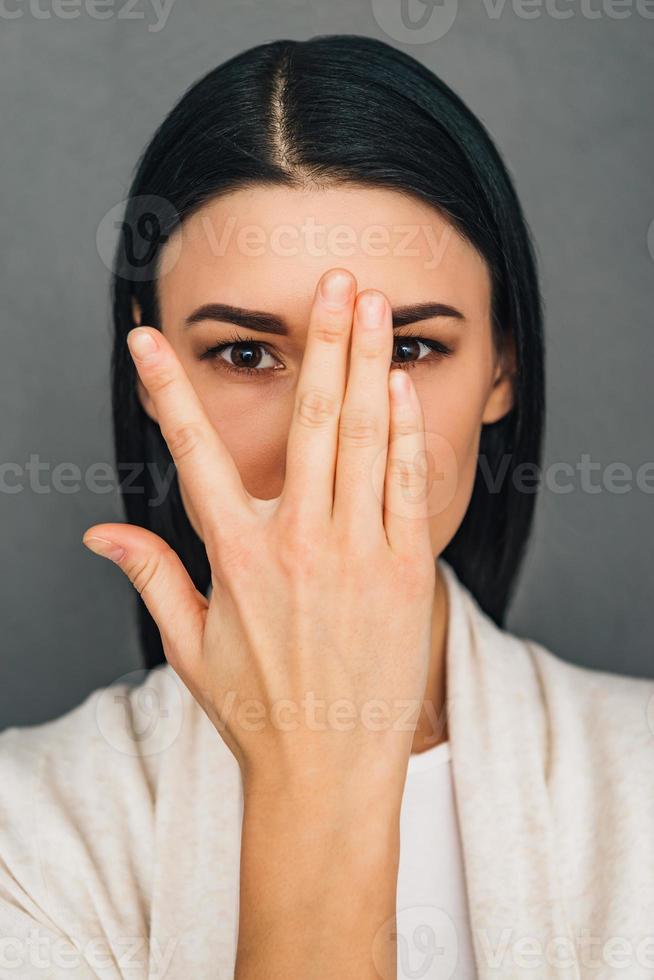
x=498, y=734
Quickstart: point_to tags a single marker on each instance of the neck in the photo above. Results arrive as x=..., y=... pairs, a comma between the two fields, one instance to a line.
x=431, y=728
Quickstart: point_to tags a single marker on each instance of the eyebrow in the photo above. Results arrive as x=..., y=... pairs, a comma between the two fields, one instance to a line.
x=270, y=323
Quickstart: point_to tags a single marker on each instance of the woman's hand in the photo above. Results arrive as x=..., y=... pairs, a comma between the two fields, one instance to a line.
x=321, y=599
x=315, y=637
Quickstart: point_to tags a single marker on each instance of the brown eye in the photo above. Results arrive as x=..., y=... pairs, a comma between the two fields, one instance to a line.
x=246, y=356
x=409, y=353
x=242, y=356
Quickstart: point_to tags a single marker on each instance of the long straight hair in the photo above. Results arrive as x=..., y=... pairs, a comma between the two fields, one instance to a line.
x=309, y=114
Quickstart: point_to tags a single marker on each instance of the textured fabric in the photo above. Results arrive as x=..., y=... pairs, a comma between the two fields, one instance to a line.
x=120, y=822
x=434, y=940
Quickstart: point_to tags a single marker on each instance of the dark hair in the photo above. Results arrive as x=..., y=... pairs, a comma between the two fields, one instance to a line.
x=335, y=108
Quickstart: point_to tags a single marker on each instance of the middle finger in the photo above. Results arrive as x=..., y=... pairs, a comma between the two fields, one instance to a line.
x=312, y=442
x=364, y=424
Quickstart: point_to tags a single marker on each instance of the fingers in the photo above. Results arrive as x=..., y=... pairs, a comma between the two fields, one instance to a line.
x=313, y=436
x=363, y=430
x=210, y=475
x=165, y=586
x=406, y=490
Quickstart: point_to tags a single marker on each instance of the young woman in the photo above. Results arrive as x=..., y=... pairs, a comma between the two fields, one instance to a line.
x=340, y=764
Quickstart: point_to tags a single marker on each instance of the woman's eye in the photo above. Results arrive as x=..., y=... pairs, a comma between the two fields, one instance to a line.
x=242, y=357
x=410, y=354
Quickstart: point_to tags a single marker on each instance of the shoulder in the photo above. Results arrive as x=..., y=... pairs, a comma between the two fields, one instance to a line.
x=578, y=710
x=608, y=705
x=599, y=770
x=77, y=808
x=600, y=751
x=589, y=721
x=118, y=731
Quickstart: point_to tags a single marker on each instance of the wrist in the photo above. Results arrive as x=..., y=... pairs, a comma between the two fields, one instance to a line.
x=337, y=797
x=352, y=815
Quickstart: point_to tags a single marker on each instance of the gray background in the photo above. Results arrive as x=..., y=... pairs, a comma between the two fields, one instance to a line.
x=568, y=101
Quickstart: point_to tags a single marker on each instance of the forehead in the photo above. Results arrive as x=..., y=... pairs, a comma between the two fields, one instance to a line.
x=266, y=246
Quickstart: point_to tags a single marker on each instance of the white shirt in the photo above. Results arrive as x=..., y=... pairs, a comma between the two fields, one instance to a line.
x=433, y=930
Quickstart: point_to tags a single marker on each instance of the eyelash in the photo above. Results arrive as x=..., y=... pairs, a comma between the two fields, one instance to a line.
x=438, y=350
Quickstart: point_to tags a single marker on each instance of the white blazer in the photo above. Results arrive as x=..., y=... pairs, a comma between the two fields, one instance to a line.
x=120, y=822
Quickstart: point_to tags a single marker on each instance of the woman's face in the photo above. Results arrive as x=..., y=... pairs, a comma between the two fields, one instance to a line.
x=264, y=249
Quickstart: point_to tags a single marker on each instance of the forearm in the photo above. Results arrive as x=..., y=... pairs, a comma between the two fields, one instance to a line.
x=318, y=887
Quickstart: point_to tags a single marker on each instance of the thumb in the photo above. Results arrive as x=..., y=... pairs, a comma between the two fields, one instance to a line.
x=159, y=576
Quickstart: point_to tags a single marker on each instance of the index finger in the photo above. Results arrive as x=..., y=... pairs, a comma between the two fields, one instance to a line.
x=210, y=475
x=313, y=436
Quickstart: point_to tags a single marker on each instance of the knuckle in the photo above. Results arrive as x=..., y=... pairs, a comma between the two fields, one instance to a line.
x=233, y=554
x=331, y=329
x=406, y=425
x=183, y=440
x=406, y=474
x=299, y=545
x=232, y=548
x=358, y=427
x=160, y=378
x=297, y=551
x=315, y=407
x=142, y=571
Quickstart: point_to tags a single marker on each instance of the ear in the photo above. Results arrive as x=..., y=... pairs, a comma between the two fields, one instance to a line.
x=141, y=391
x=502, y=394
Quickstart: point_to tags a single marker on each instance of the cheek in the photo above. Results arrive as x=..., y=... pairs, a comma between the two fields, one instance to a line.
x=453, y=408
x=254, y=429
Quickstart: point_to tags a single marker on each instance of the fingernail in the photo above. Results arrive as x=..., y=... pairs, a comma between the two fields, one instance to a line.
x=336, y=288
x=105, y=548
x=141, y=342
